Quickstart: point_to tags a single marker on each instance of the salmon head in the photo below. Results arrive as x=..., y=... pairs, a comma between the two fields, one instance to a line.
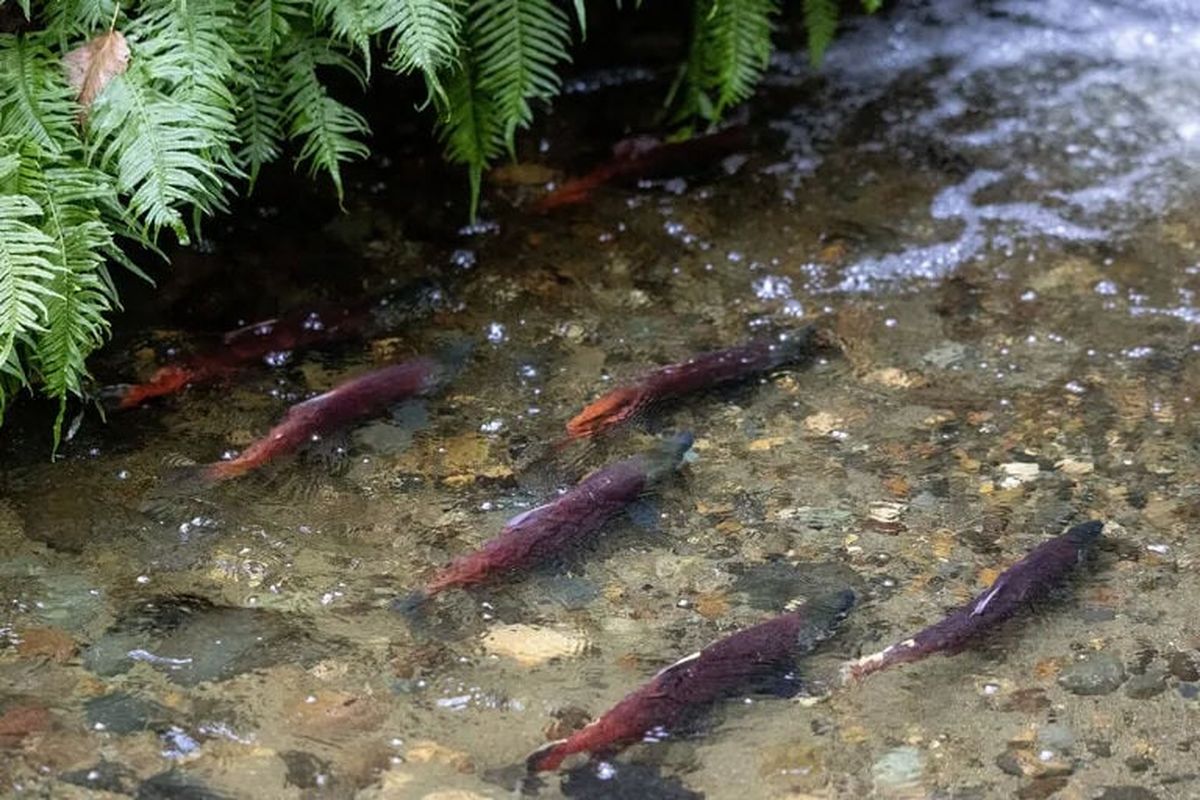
x=166, y=380
x=608, y=410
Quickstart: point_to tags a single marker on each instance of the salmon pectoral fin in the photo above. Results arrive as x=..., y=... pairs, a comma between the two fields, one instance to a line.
x=608, y=410
x=547, y=757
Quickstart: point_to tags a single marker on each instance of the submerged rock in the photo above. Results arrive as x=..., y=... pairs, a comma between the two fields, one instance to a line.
x=124, y=713
x=1150, y=683
x=1099, y=673
x=605, y=781
x=105, y=776
x=191, y=641
x=529, y=645
x=898, y=771
x=175, y=785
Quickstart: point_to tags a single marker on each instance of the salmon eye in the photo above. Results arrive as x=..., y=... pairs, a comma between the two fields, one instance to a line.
x=608, y=410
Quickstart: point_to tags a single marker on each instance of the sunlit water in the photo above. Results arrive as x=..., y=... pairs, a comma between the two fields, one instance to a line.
x=993, y=205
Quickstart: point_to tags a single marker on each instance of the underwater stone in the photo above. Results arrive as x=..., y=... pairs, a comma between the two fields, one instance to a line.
x=124, y=713
x=1150, y=683
x=1099, y=673
x=898, y=769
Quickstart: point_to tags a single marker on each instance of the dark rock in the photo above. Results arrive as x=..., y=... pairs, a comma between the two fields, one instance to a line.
x=623, y=781
x=1151, y=683
x=1100, y=748
x=770, y=586
x=1126, y=793
x=304, y=770
x=1184, y=666
x=124, y=713
x=106, y=776
x=1041, y=788
x=175, y=785
x=1099, y=673
x=192, y=641
x=1189, y=691
x=1139, y=763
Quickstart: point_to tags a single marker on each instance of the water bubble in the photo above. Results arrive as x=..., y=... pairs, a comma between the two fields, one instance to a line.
x=497, y=333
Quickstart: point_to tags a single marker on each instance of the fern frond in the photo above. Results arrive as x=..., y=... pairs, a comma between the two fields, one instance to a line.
x=425, y=37
x=517, y=45
x=871, y=6
x=188, y=52
x=736, y=39
x=72, y=19
x=820, y=18
x=158, y=148
x=270, y=23
x=36, y=105
x=26, y=273
x=469, y=130
x=352, y=21
x=260, y=119
x=325, y=126
x=81, y=293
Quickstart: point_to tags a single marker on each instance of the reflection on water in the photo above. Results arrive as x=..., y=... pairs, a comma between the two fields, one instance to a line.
x=991, y=204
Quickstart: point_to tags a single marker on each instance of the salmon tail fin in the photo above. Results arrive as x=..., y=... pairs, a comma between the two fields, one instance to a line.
x=548, y=757
x=410, y=604
x=855, y=671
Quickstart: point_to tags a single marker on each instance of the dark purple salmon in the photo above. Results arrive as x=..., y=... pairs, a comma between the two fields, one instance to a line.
x=365, y=396
x=737, y=662
x=253, y=344
x=1031, y=578
x=702, y=372
x=541, y=533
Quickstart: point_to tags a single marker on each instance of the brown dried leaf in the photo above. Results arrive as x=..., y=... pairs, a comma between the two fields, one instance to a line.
x=92, y=66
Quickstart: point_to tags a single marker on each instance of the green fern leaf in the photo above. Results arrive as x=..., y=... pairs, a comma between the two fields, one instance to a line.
x=517, y=45
x=36, y=105
x=425, y=37
x=26, y=274
x=81, y=293
x=260, y=119
x=871, y=6
x=79, y=18
x=158, y=148
x=469, y=129
x=270, y=23
x=820, y=17
x=352, y=21
x=326, y=127
x=736, y=41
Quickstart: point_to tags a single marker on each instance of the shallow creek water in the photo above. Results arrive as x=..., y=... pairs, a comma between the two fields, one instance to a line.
x=993, y=205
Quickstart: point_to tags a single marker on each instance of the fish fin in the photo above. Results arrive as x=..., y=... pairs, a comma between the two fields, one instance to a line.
x=785, y=685
x=643, y=513
x=547, y=757
x=854, y=671
x=411, y=603
x=680, y=663
x=525, y=515
x=983, y=603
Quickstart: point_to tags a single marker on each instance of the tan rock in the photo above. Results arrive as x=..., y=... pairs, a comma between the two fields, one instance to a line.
x=531, y=645
x=427, y=751
x=823, y=423
x=52, y=643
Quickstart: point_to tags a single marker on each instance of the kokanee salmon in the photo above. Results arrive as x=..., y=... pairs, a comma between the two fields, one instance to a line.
x=542, y=533
x=1031, y=578
x=701, y=372
x=736, y=663
x=299, y=330
x=365, y=396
